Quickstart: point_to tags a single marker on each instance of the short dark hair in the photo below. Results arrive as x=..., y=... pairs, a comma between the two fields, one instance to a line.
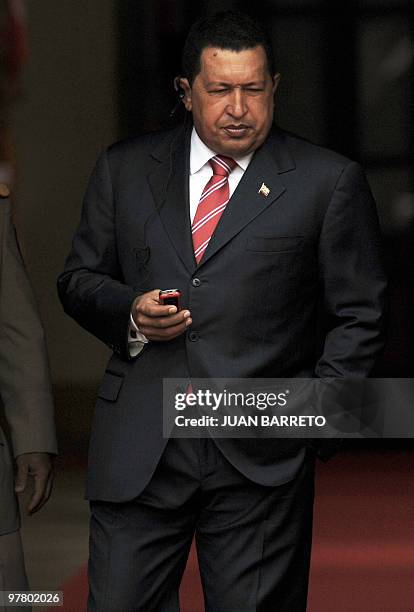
x=231, y=30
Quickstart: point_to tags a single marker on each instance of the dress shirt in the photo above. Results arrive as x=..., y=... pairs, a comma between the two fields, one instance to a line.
x=200, y=174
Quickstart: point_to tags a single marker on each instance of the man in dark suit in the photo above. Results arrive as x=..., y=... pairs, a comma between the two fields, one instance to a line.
x=258, y=229
x=25, y=391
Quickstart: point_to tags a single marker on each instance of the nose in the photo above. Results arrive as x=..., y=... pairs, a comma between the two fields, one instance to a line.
x=237, y=106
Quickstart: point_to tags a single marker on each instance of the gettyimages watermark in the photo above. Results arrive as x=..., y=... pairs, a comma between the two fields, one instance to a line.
x=288, y=408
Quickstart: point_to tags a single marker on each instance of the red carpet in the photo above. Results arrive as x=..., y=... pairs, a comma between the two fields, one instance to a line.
x=363, y=553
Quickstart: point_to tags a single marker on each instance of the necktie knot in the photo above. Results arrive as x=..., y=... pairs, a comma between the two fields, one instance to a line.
x=222, y=165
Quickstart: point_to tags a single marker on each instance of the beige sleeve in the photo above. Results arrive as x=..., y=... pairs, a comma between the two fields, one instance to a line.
x=25, y=386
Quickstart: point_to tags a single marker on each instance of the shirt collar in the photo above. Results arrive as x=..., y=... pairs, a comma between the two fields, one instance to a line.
x=200, y=154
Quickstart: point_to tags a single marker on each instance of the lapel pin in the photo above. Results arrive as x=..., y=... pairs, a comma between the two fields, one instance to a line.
x=264, y=191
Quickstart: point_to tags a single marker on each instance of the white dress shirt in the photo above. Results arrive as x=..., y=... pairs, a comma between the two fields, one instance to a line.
x=200, y=174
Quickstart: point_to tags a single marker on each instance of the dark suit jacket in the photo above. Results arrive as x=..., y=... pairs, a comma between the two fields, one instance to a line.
x=270, y=265
x=25, y=386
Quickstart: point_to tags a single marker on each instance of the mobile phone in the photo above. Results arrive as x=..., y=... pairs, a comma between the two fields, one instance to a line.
x=170, y=297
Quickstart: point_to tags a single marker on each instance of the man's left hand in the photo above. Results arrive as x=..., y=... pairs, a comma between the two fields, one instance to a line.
x=39, y=467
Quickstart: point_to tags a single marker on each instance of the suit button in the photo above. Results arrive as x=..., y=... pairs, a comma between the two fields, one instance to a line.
x=196, y=282
x=193, y=336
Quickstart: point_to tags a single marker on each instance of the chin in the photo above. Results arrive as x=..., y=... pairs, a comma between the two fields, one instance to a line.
x=237, y=148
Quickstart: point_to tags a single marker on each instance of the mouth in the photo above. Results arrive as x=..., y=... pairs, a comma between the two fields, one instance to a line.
x=237, y=131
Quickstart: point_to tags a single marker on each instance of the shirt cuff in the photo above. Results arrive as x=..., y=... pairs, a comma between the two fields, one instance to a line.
x=136, y=339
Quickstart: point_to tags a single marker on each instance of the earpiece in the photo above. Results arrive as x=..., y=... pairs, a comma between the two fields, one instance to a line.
x=177, y=86
x=181, y=93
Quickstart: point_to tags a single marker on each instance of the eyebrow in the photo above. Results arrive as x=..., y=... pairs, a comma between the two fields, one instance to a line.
x=224, y=84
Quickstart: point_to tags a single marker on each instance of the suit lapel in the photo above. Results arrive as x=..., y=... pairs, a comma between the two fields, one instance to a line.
x=169, y=186
x=271, y=160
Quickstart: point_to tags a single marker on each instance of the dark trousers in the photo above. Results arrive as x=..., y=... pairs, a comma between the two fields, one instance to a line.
x=253, y=542
x=12, y=569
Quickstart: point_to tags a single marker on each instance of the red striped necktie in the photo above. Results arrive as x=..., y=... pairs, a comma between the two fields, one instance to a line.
x=212, y=203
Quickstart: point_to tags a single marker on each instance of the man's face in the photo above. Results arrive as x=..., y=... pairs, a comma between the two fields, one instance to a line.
x=231, y=100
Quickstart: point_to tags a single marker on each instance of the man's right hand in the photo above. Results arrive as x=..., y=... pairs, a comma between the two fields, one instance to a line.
x=156, y=322
x=39, y=467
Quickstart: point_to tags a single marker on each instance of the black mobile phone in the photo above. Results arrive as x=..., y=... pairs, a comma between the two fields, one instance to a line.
x=170, y=297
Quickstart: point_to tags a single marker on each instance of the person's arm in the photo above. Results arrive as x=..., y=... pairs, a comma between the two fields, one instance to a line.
x=91, y=287
x=25, y=385
x=353, y=279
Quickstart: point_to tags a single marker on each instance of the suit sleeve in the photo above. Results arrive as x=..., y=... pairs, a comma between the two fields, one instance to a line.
x=91, y=288
x=353, y=279
x=25, y=385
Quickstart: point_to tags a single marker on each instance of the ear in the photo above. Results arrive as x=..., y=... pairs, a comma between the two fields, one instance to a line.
x=276, y=80
x=187, y=99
